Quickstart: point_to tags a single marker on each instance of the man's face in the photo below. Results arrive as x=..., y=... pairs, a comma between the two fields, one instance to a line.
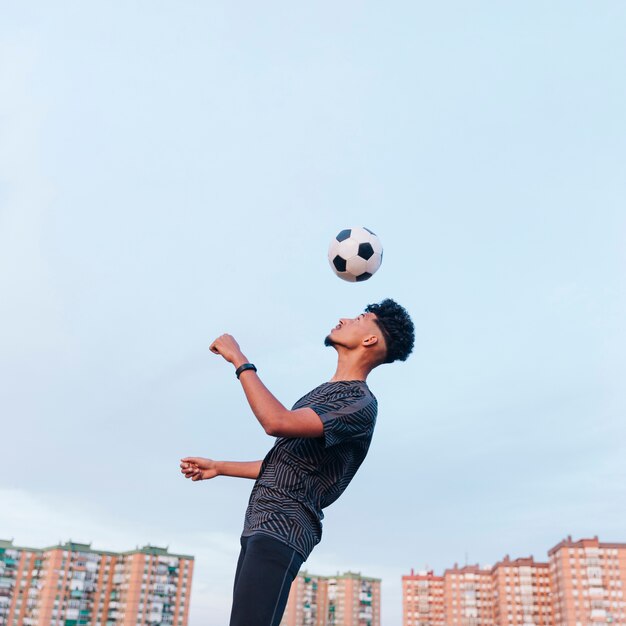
x=350, y=332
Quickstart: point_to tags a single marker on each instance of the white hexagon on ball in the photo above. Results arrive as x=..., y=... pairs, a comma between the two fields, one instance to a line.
x=360, y=234
x=378, y=247
x=355, y=254
x=373, y=263
x=356, y=266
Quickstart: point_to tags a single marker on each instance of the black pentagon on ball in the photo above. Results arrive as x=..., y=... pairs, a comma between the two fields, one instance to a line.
x=365, y=250
x=364, y=276
x=371, y=232
x=344, y=234
x=339, y=263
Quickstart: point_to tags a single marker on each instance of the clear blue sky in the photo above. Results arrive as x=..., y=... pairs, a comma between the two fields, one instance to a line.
x=173, y=170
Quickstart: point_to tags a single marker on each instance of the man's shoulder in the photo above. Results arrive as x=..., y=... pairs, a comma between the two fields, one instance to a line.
x=339, y=395
x=351, y=389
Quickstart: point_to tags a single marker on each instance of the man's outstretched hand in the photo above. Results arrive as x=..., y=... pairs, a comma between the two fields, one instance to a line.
x=197, y=468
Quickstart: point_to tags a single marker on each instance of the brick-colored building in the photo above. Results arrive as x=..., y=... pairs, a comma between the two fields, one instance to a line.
x=73, y=585
x=20, y=575
x=589, y=579
x=463, y=595
x=522, y=592
x=581, y=585
x=468, y=596
x=308, y=601
x=422, y=599
x=343, y=600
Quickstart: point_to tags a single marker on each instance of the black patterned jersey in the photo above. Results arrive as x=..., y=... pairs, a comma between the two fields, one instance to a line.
x=301, y=476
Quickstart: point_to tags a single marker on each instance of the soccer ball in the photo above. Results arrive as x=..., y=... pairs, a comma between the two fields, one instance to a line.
x=355, y=254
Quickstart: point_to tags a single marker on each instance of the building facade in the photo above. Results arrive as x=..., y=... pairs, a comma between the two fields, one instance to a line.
x=422, y=599
x=73, y=585
x=589, y=579
x=468, y=596
x=343, y=600
x=522, y=592
x=581, y=585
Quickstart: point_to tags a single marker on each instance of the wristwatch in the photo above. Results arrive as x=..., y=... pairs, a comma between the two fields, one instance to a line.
x=243, y=368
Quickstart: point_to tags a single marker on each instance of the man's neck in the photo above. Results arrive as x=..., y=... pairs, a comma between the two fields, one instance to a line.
x=351, y=369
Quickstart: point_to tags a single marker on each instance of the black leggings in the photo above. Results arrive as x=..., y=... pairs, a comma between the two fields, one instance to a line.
x=265, y=571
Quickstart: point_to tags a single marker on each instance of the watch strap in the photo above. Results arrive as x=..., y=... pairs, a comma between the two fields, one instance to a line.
x=243, y=368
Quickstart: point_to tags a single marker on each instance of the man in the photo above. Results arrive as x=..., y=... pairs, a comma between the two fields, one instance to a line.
x=320, y=445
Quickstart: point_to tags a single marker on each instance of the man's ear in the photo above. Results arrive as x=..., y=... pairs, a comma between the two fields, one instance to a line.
x=370, y=341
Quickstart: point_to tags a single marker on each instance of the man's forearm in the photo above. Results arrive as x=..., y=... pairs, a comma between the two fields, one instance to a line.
x=275, y=419
x=266, y=408
x=239, y=469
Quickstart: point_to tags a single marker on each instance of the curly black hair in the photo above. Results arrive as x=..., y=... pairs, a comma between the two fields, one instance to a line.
x=397, y=328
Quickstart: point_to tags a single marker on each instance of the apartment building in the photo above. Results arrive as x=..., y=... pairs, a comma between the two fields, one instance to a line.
x=589, y=578
x=581, y=585
x=308, y=601
x=20, y=574
x=73, y=585
x=422, y=599
x=522, y=592
x=342, y=600
x=468, y=596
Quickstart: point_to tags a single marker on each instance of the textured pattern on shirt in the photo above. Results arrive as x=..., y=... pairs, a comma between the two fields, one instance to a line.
x=301, y=476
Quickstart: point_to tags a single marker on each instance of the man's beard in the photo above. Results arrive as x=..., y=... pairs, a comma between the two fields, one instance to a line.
x=328, y=342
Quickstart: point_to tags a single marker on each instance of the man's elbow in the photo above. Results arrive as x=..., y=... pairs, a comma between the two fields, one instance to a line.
x=294, y=424
x=274, y=427
x=271, y=430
